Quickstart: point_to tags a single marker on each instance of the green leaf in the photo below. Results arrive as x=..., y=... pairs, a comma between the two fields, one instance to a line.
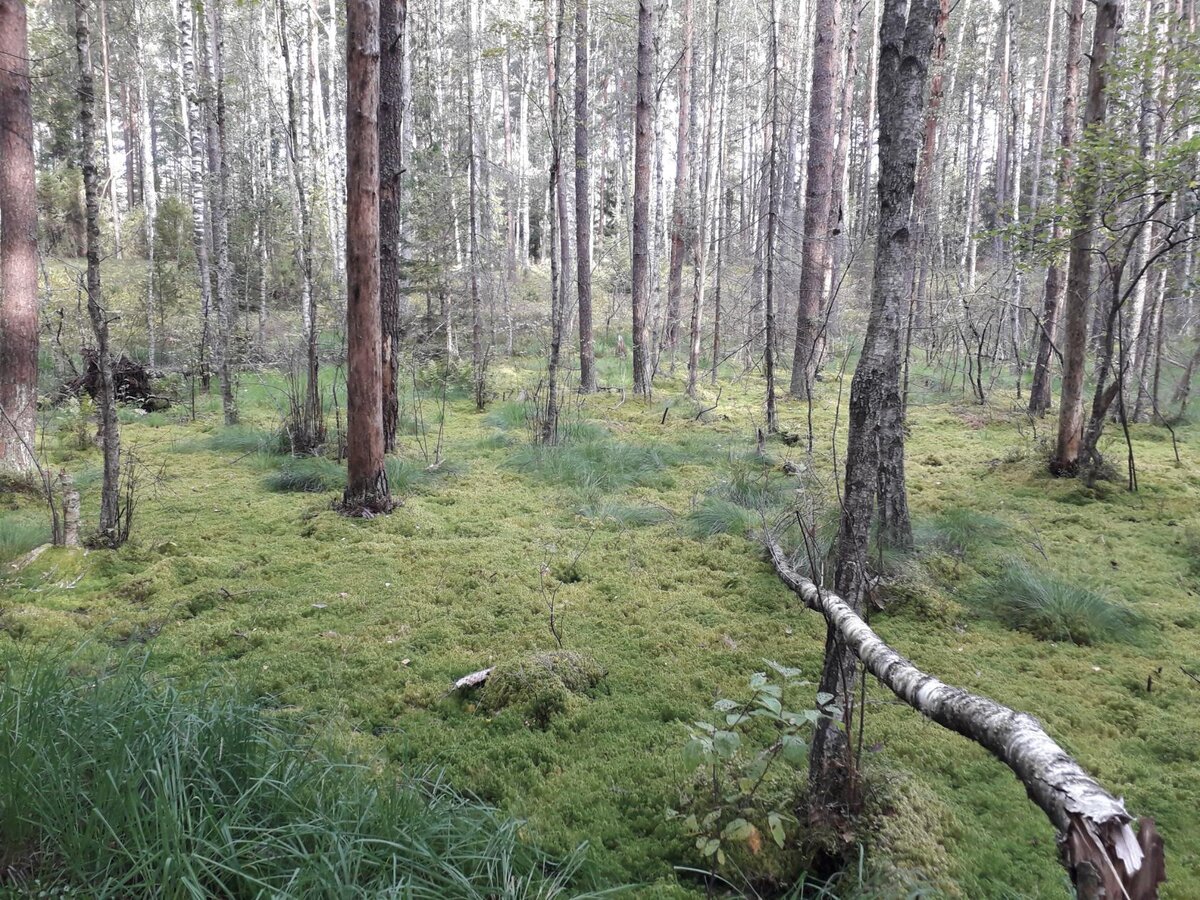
x=695, y=752
x=724, y=705
x=775, y=823
x=711, y=846
x=823, y=698
x=726, y=743
x=784, y=671
x=738, y=830
x=757, y=680
x=771, y=703
x=794, y=750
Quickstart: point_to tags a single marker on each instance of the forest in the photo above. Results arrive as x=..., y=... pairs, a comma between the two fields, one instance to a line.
x=599, y=448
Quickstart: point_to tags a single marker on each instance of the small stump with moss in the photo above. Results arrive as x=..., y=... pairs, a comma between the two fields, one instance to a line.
x=541, y=685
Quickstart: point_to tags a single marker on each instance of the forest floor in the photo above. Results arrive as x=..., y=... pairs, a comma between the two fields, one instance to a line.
x=364, y=624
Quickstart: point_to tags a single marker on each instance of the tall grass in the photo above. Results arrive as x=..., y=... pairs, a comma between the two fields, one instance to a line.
x=595, y=466
x=19, y=535
x=1028, y=600
x=115, y=787
x=959, y=532
x=307, y=474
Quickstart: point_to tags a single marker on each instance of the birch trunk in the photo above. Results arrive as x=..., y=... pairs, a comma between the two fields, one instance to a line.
x=641, y=197
x=1096, y=839
x=149, y=186
x=583, y=209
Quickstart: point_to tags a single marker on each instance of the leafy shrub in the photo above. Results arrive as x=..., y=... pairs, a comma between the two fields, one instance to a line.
x=307, y=474
x=1031, y=601
x=116, y=787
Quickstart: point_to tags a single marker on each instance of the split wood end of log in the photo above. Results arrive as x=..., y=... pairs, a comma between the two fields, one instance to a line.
x=1104, y=855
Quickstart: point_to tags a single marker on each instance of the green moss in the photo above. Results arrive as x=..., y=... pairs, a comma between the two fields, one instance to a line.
x=540, y=685
x=365, y=624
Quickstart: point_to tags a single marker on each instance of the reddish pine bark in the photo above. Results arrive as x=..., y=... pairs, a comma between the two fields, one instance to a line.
x=366, y=479
x=18, y=246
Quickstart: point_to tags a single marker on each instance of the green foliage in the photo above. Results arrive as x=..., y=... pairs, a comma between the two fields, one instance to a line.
x=1053, y=610
x=118, y=787
x=20, y=534
x=731, y=807
x=753, y=490
x=307, y=474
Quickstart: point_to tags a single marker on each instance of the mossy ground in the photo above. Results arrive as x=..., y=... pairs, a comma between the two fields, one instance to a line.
x=367, y=623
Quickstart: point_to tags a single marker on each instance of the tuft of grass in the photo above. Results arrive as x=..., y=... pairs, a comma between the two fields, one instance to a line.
x=307, y=474
x=627, y=515
x=19, y=535
x=407, y=475
x=243, y=439
x=595, y=467
x=715, y=515
x=959, y=531
x=118, y=787
x=1028, y=600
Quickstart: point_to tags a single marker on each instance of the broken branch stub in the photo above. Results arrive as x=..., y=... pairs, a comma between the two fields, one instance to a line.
x=1100, y=849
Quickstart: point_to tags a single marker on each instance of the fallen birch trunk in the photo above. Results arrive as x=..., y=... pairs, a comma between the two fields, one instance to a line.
x=1100, y=849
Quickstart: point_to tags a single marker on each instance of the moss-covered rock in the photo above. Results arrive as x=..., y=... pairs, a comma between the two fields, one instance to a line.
x=541, y=685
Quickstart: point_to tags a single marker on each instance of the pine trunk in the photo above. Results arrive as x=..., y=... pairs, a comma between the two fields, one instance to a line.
x=18, y=247
x=366, y=478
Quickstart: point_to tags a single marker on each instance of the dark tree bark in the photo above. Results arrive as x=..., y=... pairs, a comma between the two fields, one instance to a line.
x=643, y=150
x=583, y=207
x=1039, y=391
x=558, y=243
x=109, y=524
x=393, y=22
x=477, y=352
x=874, y=479
x=1079, y=266
x=366, y=478
x=818, y=200
x=18, y=247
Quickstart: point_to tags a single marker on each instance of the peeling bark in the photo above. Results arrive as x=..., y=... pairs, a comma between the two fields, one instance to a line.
x=1096, y=837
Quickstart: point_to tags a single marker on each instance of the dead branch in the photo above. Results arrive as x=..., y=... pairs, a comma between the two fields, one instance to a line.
x=1098, y=844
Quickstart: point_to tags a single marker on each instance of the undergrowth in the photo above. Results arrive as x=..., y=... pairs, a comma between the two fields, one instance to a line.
x=1053, y=610
x=177, y=793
